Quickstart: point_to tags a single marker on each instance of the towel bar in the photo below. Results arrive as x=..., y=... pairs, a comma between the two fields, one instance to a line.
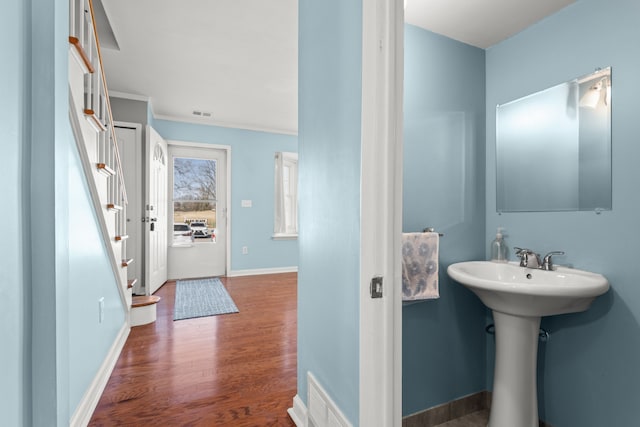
x=431, y=230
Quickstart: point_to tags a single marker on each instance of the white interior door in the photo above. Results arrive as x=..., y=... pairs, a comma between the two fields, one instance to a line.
x=156, y=212
x=197, y=195
x=129, y=137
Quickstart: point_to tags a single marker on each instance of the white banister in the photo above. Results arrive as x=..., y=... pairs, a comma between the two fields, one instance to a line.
x=98, y=142
x=97, y=107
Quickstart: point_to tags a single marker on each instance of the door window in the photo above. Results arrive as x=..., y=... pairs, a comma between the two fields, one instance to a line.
x=194, y=200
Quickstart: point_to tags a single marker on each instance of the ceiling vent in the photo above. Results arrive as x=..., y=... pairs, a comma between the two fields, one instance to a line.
x=201, y=114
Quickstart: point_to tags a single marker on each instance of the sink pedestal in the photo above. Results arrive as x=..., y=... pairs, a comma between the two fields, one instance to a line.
x=527, y=295
x=515, y=399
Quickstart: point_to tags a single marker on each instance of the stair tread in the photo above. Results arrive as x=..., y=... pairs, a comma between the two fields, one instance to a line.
x=94, y=120
x=126, y=262
x=105, y=170
x=142, y=300
x=131, y=283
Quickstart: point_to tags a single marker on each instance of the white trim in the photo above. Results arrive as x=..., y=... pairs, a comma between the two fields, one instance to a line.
x=198, y=145
x=258, y=271
x=131, y=96
x=89, y=401
x=88, y=169
x=78, y=58
x=381, y=214
x=285, y=219
x=227, y=149
x=298, y=412
x=283, y=236
x=396, y=33
x=210, y=122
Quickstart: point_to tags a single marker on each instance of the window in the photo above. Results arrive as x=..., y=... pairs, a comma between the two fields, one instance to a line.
x=194, y=200
x=285, y=225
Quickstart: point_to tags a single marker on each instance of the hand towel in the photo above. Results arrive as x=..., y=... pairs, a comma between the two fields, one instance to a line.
x=420, y=266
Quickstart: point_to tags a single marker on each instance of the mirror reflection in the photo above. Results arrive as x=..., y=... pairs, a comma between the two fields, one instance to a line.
x=553, y=148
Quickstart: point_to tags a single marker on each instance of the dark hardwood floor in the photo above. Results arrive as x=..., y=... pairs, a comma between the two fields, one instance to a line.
x=227, y=370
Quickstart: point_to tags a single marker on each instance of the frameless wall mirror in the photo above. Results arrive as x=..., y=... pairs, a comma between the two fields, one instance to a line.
x=553, y=148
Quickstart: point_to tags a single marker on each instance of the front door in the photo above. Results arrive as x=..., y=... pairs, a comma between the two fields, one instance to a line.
x=156, y=212
x=197, y=211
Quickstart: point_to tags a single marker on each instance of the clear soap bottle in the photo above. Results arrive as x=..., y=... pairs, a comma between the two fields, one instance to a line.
x=499, y=250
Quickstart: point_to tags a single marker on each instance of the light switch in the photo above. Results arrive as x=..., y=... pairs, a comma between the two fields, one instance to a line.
x=246, y=203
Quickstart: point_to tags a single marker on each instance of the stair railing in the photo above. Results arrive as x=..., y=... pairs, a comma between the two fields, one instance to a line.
x=83, y=35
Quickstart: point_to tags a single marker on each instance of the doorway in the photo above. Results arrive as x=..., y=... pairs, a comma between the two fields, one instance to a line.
x=129, y=136
x=198, y=194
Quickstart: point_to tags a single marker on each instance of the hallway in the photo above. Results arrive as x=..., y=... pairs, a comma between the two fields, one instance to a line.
x=228, y=370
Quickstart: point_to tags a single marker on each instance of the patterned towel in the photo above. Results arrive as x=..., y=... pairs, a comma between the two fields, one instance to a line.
x=420, y=266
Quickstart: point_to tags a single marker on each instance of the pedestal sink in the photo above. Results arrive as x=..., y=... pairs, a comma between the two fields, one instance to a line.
x=519, y=297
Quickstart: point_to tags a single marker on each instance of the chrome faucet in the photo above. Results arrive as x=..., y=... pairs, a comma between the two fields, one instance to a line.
x=530, y=259
x=547, y=264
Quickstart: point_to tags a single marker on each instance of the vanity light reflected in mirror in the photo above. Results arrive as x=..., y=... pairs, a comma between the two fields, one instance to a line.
x=553, y=148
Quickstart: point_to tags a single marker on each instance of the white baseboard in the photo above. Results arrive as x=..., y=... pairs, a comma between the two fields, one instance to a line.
x=298, y=412
x=87, y=405
x=258, y=271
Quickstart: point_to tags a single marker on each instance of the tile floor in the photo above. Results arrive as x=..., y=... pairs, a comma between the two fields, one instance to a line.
x=474, y=419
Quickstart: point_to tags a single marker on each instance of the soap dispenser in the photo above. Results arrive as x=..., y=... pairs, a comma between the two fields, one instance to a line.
x=499, y=250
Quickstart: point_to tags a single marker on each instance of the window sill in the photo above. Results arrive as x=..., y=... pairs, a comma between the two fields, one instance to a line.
x=282, y=236
x=181, y=245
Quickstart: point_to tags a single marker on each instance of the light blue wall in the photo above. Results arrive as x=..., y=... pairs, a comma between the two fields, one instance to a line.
x=329, y=111
x=443, y=185
x=589, y=367
x=252, y=178
x=91, y=277
x=15, y=402
x=47, y=208
x=38, y=385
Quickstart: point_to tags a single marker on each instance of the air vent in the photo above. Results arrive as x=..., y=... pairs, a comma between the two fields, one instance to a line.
x=201, y=113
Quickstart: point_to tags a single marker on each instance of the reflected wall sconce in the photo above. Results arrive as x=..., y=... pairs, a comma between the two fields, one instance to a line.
x=592, y=96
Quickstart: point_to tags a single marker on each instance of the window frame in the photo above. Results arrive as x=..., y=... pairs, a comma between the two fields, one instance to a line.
x=285, y=220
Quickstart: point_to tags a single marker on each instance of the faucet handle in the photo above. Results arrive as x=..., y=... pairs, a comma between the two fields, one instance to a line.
x=523, y=254
x=547, y=263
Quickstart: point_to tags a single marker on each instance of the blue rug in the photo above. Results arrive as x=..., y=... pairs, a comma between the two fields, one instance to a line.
x=200, y=298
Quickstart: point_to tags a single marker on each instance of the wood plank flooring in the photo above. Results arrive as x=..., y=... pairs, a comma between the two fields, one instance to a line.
x=229, y=370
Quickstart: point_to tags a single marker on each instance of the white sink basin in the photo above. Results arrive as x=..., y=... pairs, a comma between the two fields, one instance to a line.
x=518, y=297
x=519, y=291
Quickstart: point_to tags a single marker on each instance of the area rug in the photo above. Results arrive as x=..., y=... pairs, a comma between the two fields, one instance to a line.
x=200, y=298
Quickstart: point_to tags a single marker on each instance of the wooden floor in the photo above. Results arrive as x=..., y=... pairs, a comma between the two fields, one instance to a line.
x=228, y=370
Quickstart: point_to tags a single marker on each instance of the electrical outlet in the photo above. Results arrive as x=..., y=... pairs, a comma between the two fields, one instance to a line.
x=245, y=250
x=100, y=310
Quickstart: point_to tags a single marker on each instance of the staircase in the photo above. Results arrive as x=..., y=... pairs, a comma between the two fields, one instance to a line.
x=92, y=124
